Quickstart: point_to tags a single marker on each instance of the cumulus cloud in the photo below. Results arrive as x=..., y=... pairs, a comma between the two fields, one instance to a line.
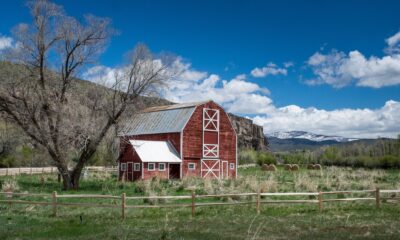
x=340, y=69
x=102, y=75
x=393, y=43
x=237, y=95
x=271, y=69
x=241, y=96
x=359, y=123
x=5, y=42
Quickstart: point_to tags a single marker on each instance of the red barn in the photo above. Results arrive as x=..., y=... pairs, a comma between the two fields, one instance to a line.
x=176, y=141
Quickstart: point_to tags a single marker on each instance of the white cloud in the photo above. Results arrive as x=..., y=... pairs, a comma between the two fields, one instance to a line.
x=339, y=69
x=102, y=75
x=393, y=40
x=359, y=123
x=393, y=43
x=5, y=42
x=288, y=64
x=236, y=95
x=240, y=96
x=270, y=69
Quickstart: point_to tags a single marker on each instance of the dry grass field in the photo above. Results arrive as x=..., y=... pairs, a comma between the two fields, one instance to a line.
x=358, y=220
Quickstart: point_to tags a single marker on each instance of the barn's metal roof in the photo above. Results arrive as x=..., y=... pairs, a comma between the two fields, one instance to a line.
x=162, y=121
x=174, y=106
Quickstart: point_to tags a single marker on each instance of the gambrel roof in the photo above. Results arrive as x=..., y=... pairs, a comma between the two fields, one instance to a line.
x=162, y=119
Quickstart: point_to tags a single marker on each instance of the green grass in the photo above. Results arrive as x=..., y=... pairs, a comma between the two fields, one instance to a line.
x=336, y=221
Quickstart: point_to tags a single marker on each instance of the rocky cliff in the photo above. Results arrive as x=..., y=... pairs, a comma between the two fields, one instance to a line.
x=249, y=134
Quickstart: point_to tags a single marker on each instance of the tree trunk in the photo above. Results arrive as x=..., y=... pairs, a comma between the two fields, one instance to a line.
x=71, y=179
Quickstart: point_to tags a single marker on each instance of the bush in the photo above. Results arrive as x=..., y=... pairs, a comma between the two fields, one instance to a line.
x=389, y=161
x=265, y=158
x=247, y=156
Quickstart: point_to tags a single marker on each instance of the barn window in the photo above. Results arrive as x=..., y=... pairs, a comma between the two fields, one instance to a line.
x=136, y=167
x=210, y=120
x=123, y=166
x=192, y=166
x=161, y=166
x=232, y=166
x=151, y=166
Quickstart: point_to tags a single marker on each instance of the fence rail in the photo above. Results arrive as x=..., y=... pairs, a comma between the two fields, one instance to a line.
x=193, y=203
x=42, y=170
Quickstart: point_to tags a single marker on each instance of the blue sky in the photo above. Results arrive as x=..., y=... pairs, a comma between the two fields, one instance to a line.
x=325, y=60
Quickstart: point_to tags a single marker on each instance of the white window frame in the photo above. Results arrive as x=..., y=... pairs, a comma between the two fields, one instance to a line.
x=192, y=166
x=136, y=167
x=159, y=168
x=231, y=166
x=152, y=164
x=123, y=167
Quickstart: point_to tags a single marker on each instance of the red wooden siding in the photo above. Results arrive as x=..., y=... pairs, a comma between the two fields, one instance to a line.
x=156, y=173
x=130, y=156
x=193, y=139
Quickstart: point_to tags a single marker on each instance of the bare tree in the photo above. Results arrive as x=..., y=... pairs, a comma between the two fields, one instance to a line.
x=40, y=92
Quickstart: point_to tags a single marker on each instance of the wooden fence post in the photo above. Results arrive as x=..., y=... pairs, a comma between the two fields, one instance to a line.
x=19, y=170
x=193, y=203
x=30, y=172
x=123, y=205
x=6, y=171
x=258, y=201
x=55, y=204
x=320, y=201
x=378, y=197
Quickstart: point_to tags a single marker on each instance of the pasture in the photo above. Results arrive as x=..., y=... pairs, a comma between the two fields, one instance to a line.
x=358, y=220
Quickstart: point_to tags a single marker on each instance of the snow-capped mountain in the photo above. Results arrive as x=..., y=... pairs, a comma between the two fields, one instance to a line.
x=309, y=136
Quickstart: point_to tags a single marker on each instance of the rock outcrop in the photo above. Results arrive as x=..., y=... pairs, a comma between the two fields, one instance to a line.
x=250, y=135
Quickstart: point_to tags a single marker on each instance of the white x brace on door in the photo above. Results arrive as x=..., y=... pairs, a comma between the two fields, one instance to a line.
x=210, y=168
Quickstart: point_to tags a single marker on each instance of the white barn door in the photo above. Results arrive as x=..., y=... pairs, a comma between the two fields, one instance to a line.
x=210, y=168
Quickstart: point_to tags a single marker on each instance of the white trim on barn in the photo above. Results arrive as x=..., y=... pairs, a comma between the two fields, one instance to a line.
x=135, y=168
x=159, y=168
x=211, y=150
x=191, y=166
x=151, y=164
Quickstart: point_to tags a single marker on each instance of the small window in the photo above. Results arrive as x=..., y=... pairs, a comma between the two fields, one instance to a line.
x=192, y=166
x=151, y=166
x=136, y=167
x=123, y=166
x=232, y=166
x=161, y=166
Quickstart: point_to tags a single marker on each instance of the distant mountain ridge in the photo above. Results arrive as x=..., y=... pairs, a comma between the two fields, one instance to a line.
x=301, y=140
x=309, y=136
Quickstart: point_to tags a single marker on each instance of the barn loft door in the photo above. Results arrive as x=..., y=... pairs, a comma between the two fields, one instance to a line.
x=210, y=133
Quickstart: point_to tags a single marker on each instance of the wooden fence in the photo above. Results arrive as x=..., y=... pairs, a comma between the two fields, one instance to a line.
x=42, y=170
x=193, y=201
